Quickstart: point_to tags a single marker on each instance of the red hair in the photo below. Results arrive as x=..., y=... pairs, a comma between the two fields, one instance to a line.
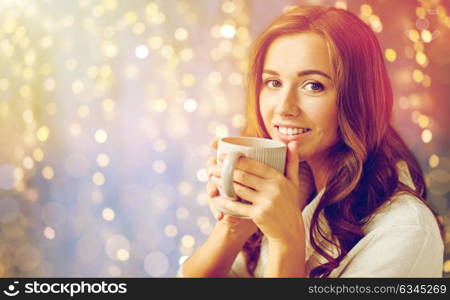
x=368, y=148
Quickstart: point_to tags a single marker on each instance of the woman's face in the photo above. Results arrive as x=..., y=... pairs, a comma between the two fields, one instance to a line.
x=298, y=98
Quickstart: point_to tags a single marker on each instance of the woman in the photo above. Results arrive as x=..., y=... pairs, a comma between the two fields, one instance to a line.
x=352, y=201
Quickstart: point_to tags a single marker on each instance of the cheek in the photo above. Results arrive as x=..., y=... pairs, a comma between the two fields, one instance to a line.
x=328, y=125
x=266, y=112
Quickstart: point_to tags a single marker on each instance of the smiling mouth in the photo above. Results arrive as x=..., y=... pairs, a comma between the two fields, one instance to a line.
x=291, y=131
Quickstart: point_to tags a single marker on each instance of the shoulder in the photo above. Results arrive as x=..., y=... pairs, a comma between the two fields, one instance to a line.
x=402, y=239
x=403, y=210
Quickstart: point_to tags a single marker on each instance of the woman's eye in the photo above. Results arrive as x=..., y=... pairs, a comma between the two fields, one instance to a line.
x=314, y=86
x=273, y=83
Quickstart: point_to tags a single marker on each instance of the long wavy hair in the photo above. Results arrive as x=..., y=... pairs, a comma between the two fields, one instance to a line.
x=369, y=147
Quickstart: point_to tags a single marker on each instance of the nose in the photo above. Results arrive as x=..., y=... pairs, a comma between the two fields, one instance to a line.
x=288, y=106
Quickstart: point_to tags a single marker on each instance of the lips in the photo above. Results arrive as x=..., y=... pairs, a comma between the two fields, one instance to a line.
x=292, y=130
x=288, y=133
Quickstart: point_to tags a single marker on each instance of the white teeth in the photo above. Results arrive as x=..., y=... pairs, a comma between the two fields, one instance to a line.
x=292, y=131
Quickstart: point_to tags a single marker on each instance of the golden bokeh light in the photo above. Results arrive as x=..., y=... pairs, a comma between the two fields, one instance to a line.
x=188, y=241
x=101, y=136
x=48, y=173
x=77, y=87
x=182, y=213
x=423, y=121
x=184, y=188
x=28, y=162
x=123, y=254
x=43, y=133
x=83, y=111
x=447, y=266
x=427, y=136
x=160, y=145
x=228, y=7
x=366, y=9
x=103, y=160
x=390, y=54
x=38, y=154
x=49, y=233
x=141, y=51
x=417, y=75
x=108, y=214
x=190, y=105
x=159, y=166
x=421, y=59
x=181, y=34
x=433, y=161
x=188, y=80
x=186, y=54
x=170, y=230
x=98, y=178
x=426, y=36
x=228, y=31
x=221, y=131
x=155, y=42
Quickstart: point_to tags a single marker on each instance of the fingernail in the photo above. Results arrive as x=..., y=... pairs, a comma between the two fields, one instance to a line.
x=213, y=193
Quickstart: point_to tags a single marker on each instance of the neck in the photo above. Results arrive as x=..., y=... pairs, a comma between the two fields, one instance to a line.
x=320, y=172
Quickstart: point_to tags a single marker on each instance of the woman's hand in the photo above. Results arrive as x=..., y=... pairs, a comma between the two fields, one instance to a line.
x=244, y=227
x=276, y=200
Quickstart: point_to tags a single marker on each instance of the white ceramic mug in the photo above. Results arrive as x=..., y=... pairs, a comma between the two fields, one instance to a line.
x=269, y=152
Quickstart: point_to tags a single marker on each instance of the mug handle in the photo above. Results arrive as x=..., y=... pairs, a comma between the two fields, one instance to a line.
x=227, y=172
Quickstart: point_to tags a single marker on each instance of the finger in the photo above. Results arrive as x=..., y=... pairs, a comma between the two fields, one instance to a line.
x=245, y=192
x=213, y=192
x=215, y=212
x=233, y=206
x=214, y=144
x=292, y=162
x=211, y=162
x=221, y=158
x=211, y=189
x=216, y=181
x=215, y=171
x=252, y=181
x=256, y=168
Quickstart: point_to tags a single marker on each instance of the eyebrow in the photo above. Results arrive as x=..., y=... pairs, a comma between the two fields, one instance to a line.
x=301, y=73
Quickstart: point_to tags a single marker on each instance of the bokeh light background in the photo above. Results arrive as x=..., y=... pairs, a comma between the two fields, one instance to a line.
x=107, y=110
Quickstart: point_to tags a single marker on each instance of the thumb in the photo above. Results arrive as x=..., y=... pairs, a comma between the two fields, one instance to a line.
x=292, y=162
